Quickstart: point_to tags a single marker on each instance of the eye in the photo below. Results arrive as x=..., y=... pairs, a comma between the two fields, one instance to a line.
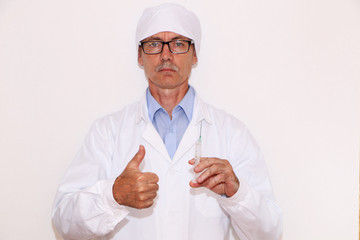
x=179, y=44
x=153, y=44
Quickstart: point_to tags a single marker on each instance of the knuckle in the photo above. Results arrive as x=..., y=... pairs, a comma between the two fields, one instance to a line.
x=141, y=197
x=140, y=189
x=140, y=177
x=212, y=182
x=230, y=170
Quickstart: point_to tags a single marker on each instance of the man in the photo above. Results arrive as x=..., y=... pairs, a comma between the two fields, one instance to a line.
x=134, y=176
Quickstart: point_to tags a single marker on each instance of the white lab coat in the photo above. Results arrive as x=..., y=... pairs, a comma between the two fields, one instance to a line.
x=84, y=207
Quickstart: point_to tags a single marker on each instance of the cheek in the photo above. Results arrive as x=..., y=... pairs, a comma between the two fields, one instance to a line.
x=149, y=69
x=188, y=66
x=149, y=63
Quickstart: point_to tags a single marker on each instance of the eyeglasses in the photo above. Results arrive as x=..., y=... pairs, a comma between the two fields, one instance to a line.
x=175, y=46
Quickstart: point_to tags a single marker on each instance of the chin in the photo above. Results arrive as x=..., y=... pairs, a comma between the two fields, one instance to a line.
x=167, y=82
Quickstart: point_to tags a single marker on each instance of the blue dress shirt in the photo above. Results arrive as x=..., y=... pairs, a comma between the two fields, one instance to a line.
x=171, y=130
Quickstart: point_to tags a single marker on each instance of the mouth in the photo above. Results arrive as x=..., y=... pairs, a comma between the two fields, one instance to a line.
x=166, y=67
x=167, y=70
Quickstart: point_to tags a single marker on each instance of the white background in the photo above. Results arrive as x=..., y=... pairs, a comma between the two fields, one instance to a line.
x=289, y=69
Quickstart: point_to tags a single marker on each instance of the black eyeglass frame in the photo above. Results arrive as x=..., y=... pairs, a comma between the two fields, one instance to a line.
x=191, y=42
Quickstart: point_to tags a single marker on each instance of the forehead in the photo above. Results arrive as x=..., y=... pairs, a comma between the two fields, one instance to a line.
x=166, y=36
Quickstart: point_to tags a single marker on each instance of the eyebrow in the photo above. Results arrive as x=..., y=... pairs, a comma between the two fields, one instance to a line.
x=174, y=38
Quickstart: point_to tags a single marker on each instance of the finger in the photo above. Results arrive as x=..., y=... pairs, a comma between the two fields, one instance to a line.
x=194, y=184
x=212, y=182
x=151, y=196
x=137, y=159
x=143, y=197
x=145, y=188
x=192, y=161
x=204, y=163
x=153, y=188
x=145, y=204
x=208, y=162
x=150, y=177
x=213, y=170
x=150, y=188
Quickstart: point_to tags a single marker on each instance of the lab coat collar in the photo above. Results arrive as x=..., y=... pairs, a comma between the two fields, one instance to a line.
x=186, y=104
x=142, y=111
x=200, y=111
x=200, y=114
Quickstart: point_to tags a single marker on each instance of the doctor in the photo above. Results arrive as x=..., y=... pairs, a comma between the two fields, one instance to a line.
x=134, y=176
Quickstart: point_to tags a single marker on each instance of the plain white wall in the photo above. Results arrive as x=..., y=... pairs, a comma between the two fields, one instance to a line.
x=289, y=69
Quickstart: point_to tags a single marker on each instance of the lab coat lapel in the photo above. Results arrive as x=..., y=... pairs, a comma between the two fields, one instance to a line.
x=150, y=134
x=192, y=132
x=153, y=138
x=188, y=140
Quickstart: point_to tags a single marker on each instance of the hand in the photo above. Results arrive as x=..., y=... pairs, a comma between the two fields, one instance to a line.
x=134, y=188
x=218, y=176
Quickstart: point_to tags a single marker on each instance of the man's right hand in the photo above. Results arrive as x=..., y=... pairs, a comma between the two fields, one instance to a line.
x=134, y=188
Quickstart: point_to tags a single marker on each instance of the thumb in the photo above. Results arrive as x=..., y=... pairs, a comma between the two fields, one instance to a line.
x=137, y=159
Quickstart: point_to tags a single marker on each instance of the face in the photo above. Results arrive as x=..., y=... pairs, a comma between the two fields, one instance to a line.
x=167, y=70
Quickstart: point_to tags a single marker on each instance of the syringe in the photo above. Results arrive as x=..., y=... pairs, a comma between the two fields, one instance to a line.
x=197, y=154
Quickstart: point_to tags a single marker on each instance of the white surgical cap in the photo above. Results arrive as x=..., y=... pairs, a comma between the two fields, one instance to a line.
x=169, y=17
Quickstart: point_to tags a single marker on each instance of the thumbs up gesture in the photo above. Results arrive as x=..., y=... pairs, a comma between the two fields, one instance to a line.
x=134, y=188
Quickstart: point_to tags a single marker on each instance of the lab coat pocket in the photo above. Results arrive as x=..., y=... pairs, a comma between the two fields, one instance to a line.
x=206, y=203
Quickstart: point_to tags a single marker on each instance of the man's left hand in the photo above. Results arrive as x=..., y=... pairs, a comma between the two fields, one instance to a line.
x=218, y=176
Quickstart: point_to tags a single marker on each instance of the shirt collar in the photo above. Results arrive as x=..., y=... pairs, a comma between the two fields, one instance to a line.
x=152, y=105
x=187, y=103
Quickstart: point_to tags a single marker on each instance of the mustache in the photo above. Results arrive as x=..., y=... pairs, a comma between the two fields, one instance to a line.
x=166, y=65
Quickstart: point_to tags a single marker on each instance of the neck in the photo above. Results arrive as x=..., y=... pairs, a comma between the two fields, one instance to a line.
x=169, y=98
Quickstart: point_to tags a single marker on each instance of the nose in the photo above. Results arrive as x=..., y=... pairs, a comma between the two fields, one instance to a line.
x=166, y=54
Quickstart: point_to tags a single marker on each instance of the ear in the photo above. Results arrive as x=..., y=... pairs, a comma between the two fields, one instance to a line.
x=194, y=58
x=140, y=60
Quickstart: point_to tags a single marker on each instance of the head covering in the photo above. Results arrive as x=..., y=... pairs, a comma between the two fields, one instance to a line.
x=169, y=17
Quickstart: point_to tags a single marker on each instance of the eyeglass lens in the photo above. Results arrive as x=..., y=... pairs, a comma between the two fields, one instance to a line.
x=177, y=46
